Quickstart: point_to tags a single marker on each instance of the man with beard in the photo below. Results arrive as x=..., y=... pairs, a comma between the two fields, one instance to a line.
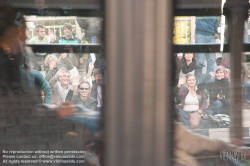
x=60, y=85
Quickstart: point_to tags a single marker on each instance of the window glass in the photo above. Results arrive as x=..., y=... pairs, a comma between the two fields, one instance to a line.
x=188, y=29
x=51, y=103
x=203, y=92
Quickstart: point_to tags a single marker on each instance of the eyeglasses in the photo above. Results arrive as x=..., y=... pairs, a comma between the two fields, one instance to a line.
x=84, y=88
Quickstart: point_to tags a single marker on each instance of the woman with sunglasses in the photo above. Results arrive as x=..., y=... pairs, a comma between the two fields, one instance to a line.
x=83, y=97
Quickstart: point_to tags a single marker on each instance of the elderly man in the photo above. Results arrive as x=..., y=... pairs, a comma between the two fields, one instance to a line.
x=60, y=85
x=41, y=38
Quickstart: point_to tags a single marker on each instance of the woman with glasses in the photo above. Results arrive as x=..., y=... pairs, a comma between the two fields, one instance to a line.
x=83, y=97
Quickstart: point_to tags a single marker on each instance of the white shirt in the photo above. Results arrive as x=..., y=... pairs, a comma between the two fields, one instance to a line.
x=191, y=103
x=63, y=91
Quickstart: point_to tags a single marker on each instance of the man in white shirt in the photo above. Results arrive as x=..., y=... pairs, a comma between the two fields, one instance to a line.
x=41, y=38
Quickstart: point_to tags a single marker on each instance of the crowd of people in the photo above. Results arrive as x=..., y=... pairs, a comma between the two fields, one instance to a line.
x=62, y=72
x=210, y=95
x=62, y=82
x=59, y=86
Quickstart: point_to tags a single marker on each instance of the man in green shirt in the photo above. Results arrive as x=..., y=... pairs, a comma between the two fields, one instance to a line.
x=41, y=38
x=68, y=37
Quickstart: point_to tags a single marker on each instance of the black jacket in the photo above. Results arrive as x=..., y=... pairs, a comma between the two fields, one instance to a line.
x=216, y=87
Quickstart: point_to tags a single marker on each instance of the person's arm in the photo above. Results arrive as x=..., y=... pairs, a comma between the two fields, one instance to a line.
x=93, y=106
x=91, y=121
x=66, y=62
x=52, y=82
x=225, y=93
x=180, y=91
x=57, y=40
x=91, y=67
x=93, y=58
x=208, y=77
x=205, y=84
x=45, y=86
x=203, y=104
x=50, y=74
x=75, y=82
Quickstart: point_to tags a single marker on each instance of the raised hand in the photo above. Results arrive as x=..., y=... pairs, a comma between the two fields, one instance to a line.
x=212, y=74
x=182, y=80
x=64, y=55
x=91, y=66
x=75, y=82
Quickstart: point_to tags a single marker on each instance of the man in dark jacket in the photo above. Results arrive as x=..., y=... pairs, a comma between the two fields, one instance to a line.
x=96, y=91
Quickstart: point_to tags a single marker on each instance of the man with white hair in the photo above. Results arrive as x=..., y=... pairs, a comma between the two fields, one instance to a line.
x=60, y=85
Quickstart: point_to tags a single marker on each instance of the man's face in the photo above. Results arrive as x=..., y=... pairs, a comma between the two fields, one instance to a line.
x=98, y=78
x=220, y=75
x=67, y=31
x=65, y=78
x=84, y=90
x=41, y=33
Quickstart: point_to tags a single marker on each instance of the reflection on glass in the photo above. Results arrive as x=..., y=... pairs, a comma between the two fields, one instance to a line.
x=40, y=8
x=63, y=30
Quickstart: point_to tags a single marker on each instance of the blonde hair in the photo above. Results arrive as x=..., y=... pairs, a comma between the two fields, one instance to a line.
x=46, y=61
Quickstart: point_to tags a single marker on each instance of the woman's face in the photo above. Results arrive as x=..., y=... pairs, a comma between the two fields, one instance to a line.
x=84, y=90
x=219, y=75
x=189, y=56
x=52, y=62
x=191, y=81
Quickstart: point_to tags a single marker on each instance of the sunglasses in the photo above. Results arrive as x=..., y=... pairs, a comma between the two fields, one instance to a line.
x=84, y=88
